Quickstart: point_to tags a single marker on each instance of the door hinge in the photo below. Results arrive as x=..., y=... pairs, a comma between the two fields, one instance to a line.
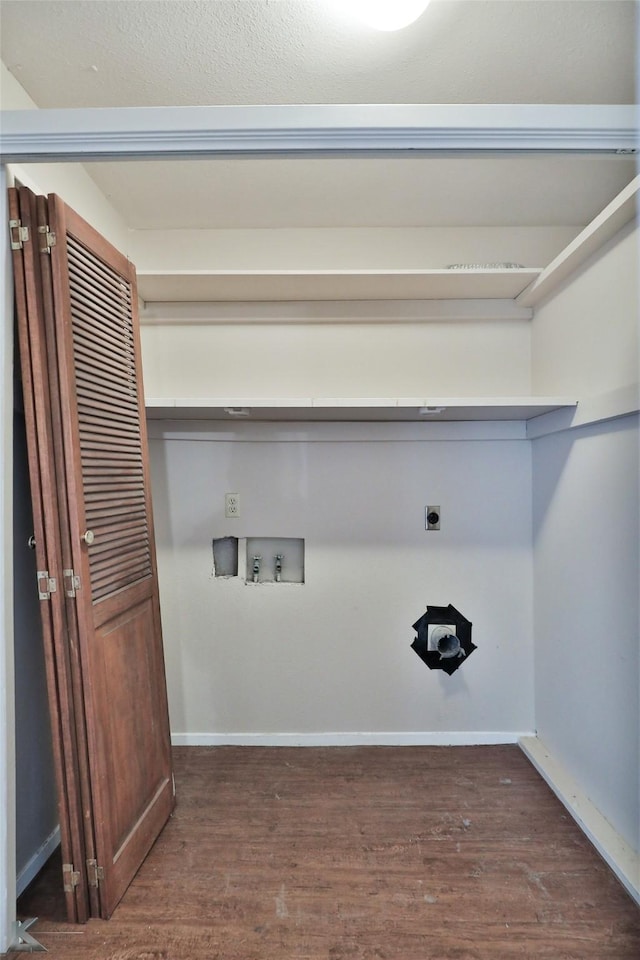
x=19, y=234
x=70, y=877
x=71, y=582
x=46, y=585
x=94, y=873
x=49, y=239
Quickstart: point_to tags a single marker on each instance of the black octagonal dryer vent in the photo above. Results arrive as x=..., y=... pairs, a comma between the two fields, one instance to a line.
x=444, y=639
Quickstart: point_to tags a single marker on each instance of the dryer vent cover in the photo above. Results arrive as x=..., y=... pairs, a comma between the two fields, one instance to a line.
x=444, y=639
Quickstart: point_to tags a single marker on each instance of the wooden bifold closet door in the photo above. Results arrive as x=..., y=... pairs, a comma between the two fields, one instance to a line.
x=116, y=769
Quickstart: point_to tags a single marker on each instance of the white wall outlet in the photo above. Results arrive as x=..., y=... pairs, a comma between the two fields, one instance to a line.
x=232, y=506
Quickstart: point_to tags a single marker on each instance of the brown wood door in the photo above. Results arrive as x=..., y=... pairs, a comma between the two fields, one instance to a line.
x=112, y=547
x=61, y=663
x=107, y=546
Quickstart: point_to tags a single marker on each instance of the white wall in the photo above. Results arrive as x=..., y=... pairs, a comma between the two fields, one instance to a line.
x=36, y=797
x=333, y=655
x=587, y=628
x=586, y=534
x=585, y=338
x=452, y=358
x=364, y=248
x=69, y=180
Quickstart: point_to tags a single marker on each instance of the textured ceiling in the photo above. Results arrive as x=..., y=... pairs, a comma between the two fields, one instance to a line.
x=149, y=53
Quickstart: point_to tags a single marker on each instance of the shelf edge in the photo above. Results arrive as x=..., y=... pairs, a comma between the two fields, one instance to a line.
x=354, y=409
x=622, y=402
x=237, y=312
x=602, y=228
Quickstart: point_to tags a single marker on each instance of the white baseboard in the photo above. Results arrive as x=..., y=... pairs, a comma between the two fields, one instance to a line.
x=37, y=861
x=616, y=852
x=357, y=739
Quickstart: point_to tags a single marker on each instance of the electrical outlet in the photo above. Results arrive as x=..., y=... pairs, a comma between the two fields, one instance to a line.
x=432, y=517
x=232, y=506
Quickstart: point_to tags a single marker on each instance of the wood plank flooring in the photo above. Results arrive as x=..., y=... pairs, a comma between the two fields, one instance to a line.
x=358, y=853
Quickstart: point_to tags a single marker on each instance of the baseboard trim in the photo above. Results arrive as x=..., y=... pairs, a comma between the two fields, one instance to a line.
x=37, y=861
x=400, y=739
x=614, y=850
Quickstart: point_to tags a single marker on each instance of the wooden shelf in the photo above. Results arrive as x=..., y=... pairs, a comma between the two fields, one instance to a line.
x=407, y=409
x=286, y=285
x=615, y=215
x=526, y=286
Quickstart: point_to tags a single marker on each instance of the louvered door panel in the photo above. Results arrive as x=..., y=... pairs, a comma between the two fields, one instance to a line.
x=109, y=432
x=32, y=297
x=80, y=355
x=107, y=475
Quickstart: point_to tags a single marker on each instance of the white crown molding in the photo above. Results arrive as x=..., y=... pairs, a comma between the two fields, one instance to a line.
x=110, y=133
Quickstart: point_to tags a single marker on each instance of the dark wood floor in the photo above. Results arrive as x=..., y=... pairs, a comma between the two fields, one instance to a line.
x=374, y=853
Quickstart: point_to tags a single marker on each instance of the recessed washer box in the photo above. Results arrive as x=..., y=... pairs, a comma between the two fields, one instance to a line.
x=279, y=560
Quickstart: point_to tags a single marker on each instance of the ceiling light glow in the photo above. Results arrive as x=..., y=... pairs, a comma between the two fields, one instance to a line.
x=384, y=14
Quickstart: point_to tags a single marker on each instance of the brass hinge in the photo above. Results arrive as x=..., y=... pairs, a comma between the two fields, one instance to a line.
x=49, y=239
x=46, y=585
x=94, y=873
x=70, y=877
x=19, y=234
x=71, y=582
